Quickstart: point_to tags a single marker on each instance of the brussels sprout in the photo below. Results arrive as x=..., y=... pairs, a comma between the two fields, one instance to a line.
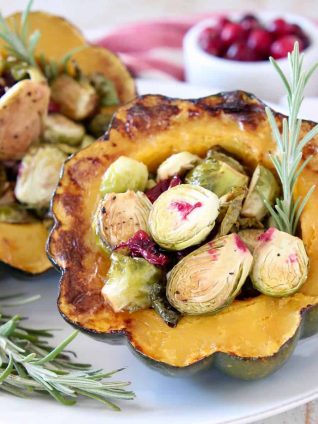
x=250, y=237
x=15, y=214
x=120, y=215
x=77, y=99
x=263, y=187
x=150, y=184
x=38, y=176
x=106, y=90
x=280, y=265
x=161, y=305
x=128, y=283
x=59, y=129
x=22, y=109
x=217, y=153
x=183, y=216
x=99, y=124
x=230, y=208
x=87, y=140
x=209, y=278
x=66, y=148
x=177, y=164
x=217, y=176
x=124, y=174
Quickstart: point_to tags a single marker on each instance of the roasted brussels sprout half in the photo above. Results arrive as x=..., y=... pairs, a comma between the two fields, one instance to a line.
x=263, y=188
x=250, y=237
x=87, y=140
x=22, y=109
x=230, y=209
x=218, y=153
x=161, y=305
x=124, y=174
x=128, y=283
x=209, y=278
x=183, y=216
x=15, y=214
x=99, y=124
x=38, y=176
x=120, y=215
x=77, y=99
x=59, y=129
x=280, y=265
x=216, y=175
x=177, y=164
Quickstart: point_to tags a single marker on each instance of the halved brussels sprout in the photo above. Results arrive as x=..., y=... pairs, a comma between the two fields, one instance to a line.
x=120, y=215
x=15, y=214
x=128, y=283
x=183, y=216
x=22, y=109
x=216, y=175
x=177, y=164
x=59, y=129
x=250, y=237
x=217, y=153
x=124, y=174
x=76, y=99
x=161, y=305
x=38, y=176
x=280, y=265
x=263, y=187
x=230, y=209
x=99, y=124
x=209, y=278
x=87, y=140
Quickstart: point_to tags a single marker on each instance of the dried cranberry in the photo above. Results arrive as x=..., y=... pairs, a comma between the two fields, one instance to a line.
x=281, y=47
x=231, y=33
x=221, y=22
x=260, y=40
x=161, y=187
x=54, y=107
x=141, y=245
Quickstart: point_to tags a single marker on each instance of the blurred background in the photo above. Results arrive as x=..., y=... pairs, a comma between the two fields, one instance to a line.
x=95, y=14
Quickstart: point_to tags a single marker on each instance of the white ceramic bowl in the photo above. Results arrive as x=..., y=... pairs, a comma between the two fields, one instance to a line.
x=258, y=78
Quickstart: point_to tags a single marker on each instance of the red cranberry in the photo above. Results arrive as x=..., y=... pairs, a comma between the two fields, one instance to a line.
x=260, y=40
x=239, y=51
x=221, y=22
x=231, y=33
x=210, y=41
x=249, y=22
x=281, y=47
x=278, y=27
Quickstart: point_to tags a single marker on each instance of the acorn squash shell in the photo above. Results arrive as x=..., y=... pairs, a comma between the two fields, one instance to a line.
x=251, y=338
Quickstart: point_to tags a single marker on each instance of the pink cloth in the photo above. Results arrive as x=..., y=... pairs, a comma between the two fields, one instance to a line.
x=153, y=48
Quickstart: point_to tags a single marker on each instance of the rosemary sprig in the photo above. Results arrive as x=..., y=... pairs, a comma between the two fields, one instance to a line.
x=287, y=161
x=29, y=365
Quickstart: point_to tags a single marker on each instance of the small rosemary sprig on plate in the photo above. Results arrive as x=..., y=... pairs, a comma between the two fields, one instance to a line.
x=29, y=365
x=287, y=161
x=21, y=46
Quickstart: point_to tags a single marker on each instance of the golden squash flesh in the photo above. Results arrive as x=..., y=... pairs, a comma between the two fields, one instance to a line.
x=249, y=339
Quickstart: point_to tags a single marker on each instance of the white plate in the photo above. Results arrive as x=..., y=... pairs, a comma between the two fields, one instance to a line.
x=209, y=398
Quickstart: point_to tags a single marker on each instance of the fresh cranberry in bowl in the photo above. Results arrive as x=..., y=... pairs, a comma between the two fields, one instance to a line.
x=243, y=64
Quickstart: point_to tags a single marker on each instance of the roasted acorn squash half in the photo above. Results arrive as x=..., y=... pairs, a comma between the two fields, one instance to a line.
x=22, y=246
x=251, y=338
